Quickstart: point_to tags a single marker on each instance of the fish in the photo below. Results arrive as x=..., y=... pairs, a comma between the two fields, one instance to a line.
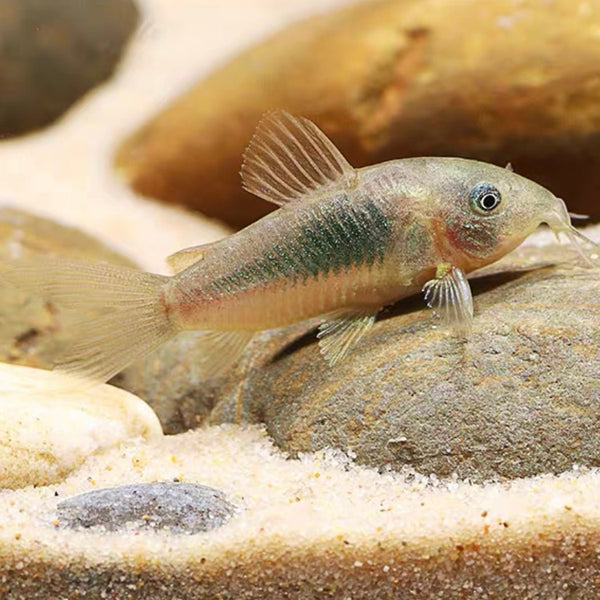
x=343, y=243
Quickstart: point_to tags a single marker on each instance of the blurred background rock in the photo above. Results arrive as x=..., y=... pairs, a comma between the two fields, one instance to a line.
x=497, y=81
x=54, y=51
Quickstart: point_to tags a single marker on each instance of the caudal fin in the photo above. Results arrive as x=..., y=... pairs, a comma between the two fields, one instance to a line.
x=113, y=315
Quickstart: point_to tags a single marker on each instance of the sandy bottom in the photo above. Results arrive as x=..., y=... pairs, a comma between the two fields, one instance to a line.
x=314, y=527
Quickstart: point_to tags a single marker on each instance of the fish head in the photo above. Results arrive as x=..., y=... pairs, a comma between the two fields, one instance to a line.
x=486, y=211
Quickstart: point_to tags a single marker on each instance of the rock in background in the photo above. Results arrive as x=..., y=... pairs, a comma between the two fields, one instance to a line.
x=52, y=52
x=497, y=80
x=168, y=380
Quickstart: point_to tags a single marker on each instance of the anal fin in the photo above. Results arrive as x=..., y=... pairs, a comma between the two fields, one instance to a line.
x=449, y=295
x=219, y=351
x=339, y=334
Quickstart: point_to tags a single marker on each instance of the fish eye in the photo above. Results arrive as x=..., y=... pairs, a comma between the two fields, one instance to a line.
x=485, y=197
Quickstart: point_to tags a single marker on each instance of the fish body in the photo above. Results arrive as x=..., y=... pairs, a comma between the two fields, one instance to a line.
x=339, y=250
x=344, y=243
x=366, y=246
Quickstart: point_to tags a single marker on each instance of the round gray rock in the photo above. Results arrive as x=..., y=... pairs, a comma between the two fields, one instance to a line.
x=178, y=507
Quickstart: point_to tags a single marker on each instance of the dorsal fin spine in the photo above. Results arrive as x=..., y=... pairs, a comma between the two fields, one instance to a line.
x=285, y=149
x=326, y=145
x=292, y=159
x=285, y=184
x=305, y=154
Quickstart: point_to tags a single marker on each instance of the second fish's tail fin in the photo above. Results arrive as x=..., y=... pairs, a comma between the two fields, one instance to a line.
x=113, y=315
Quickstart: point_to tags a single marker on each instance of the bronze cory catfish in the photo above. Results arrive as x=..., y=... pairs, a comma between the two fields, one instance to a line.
x=344, y=243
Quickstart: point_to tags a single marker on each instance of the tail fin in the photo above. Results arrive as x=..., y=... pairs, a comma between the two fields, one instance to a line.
x=114, y=315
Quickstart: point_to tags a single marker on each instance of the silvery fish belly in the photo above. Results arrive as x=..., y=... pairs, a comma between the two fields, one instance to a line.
x=344, y=243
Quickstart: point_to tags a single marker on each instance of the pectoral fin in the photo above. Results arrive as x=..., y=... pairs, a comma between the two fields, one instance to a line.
x=449, y=295
x=342, y=332
x=290, y=158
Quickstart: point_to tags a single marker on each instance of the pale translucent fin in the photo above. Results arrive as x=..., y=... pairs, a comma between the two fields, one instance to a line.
x=559, y=221
x=337, y=336
x=290, y=158
x=187, y=257
x=220, y=350
x=111, y=315
x=449, y=295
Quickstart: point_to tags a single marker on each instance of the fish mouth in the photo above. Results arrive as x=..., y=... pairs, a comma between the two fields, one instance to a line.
x=559, y=220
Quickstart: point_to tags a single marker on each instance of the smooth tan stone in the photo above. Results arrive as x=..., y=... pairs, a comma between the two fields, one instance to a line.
x=518, y=398
x=48, y=428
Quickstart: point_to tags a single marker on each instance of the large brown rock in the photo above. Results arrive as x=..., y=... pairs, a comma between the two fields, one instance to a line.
x=520, y=397
x=496, y=80
x=168, y=380
x=53, y=51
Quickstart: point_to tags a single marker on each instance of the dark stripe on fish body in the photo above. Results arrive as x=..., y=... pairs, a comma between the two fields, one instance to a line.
x=330, y=237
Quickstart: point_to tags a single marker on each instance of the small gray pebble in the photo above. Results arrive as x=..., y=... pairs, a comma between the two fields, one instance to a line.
x=178, y=507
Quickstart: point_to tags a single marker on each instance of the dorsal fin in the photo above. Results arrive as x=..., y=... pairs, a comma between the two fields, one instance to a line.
x=290, y=158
